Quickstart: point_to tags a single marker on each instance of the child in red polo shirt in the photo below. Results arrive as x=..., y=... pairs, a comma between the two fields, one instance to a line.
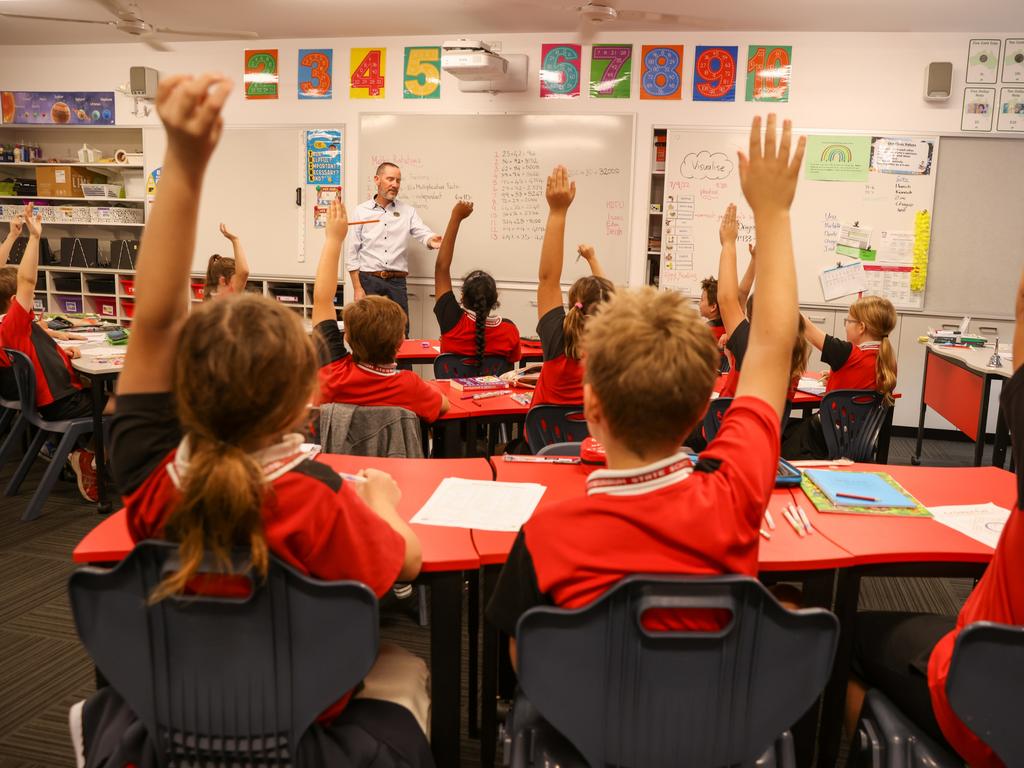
x=374, y=328
x=708, y=306
x=651, y=364
x=907, y=656
x=865, y=360
x=561, y=331
x=226, y=274
x=207, y=453
x=468, y=328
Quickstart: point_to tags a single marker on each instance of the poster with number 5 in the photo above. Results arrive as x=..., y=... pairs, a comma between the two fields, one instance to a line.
x=560, y=71
x=714, y=73
x=367, y=73
x=315, y=73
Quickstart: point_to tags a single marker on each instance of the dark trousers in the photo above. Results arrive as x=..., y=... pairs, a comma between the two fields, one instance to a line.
x=394, y=289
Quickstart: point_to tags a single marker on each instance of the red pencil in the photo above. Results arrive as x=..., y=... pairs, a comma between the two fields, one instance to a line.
x=855, y=496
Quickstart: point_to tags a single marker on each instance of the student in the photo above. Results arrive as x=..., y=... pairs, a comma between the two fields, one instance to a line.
x=561, y=332
x=865, y=360
x=374, y=329
x=59, y=393
x=469, y=328
x=709, y=306
x=225, y=274
x=14, y=229
x=651, y=364
x=207, y=455
x=907, y=656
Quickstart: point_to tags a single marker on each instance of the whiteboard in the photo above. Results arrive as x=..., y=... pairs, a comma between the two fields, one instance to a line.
x=702, y=178
x=501, y=162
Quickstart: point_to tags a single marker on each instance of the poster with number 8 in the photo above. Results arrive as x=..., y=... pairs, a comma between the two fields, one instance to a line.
x=560, y=71
x=315, y=73
x=367, y=73
x=661, y=72
x=261, y=74
x=714, y=73
x=768, y=71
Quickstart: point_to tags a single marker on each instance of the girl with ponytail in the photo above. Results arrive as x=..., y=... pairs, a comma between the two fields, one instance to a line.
x=468, y=328
x=226, y=274
x=561, y=330
x=863, y=360
x=205, y=442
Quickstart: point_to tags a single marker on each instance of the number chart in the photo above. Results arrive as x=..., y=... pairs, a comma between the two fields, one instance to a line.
x=560, y=71
x=714, y=73
x=768, y=71
x=315, y=67
x=261, y=74
x=367, y=73
x=422, y=78
x=661, y=72
x=611, y=71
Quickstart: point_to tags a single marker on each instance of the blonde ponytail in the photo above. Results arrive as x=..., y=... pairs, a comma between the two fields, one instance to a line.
x=885, y=371
x=585, y=295
x=879, y=318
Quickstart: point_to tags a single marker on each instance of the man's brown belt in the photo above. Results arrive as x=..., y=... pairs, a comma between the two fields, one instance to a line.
x=385, y=274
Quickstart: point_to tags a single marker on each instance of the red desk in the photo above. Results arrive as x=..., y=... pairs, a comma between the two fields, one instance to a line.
x=414, y=351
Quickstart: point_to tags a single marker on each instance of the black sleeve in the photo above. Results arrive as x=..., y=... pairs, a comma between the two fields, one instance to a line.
x=143, y=431
x=516, y=591
x=552, y=335
x=835, y=352
x=447, y=311
x=737, y=343
x=1012, y=402
x=330, y=342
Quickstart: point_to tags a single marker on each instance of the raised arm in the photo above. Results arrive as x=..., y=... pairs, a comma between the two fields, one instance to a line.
x=190, y=109
x=590, y=256
x=326, y=285
x=28, y=269
x=560, y=193
x=747, y=281
x=768, y=177
x=1018, y=331
x=814, y=335
x=446, y=253
x=729, y=305
x=16, y=225
x=241, y=276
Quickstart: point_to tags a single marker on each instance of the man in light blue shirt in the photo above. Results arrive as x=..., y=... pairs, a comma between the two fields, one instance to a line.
x=375, y=258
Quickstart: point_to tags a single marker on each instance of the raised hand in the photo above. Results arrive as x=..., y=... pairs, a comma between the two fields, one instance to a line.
x=729, y=227
x=587, y=252
x=190, y=108
x=463, y=209
x=337, y=219
x=34, y=221
x=17, y=224
x=227, y=232
x=769, y=174
x=560, y=192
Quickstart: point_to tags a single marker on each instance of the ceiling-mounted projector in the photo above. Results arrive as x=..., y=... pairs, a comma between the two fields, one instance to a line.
x=472, y=60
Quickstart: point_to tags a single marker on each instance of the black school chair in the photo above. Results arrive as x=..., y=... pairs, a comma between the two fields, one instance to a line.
x=547, y=424
x=851, y=420
x=224, y=681
x=599, y=689
x=452, y=366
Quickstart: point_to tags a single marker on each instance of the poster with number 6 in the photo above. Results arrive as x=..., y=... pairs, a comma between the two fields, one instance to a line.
x=768, y=71
x=261, y=74
x=315, y=73
x=661, y=68
x=367, y=67
x=714, y=73
x=560, y=71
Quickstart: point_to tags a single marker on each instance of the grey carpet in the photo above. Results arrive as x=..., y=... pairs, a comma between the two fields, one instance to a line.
x=44, y=670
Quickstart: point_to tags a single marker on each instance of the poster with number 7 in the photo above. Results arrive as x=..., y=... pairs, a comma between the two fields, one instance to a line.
x=714, y=73
x=611, y=71
x=367, y=67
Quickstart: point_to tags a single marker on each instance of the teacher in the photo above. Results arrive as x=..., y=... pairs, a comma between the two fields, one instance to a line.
x=376, y=260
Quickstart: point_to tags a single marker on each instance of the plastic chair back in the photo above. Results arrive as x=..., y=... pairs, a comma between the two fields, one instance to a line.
x=560, y=449
x=627, y=696
x=546, y=424
x=451, y=366
x=713, y=418
x=986, y=686
x=215, y=678
x=887, y=738
x=851, y=420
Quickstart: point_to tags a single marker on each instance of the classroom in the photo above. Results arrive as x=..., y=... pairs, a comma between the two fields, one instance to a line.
x=383, y=387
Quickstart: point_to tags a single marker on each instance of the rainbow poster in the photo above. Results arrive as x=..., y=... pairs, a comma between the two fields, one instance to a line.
x=837, y=158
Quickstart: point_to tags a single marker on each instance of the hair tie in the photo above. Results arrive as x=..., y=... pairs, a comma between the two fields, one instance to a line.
x=577, y=305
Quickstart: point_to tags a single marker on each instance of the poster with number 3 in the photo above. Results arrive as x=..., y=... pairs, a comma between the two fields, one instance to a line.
x=560, y=71
x=367, y=73
x=315, y=73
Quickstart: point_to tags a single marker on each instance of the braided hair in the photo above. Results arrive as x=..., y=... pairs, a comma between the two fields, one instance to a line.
x=480, y=296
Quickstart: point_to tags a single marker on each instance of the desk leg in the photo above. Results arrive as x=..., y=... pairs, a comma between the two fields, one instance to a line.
x=885, y=436
x=445, y=666
x=1002, y=437
x=834, y=703
x=979, y=445
x=103, y=506
x=489, y=668
x=916, y=458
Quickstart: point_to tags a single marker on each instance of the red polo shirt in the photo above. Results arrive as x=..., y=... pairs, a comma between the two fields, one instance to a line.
x=458, y=331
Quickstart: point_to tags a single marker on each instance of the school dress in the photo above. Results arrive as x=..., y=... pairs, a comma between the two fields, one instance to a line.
x=907, y=656
x=313, y=521
x=669, y=517
x=342, y=380
x=561, y=377
x=458, y=331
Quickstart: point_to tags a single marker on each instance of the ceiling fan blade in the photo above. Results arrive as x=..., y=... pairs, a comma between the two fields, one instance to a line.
x=653, y=17
x=218, y=33
x=114, y=7
x=55, y=18
x=154, y=42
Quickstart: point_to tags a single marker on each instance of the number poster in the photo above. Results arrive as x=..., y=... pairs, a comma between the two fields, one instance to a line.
x=768, y=70
x=661, y=72
x=714, y=73
x=560, y=71
x=422, y=79
x=611, y=71
x=367, y=73
x=261, y=74
x=315, y=73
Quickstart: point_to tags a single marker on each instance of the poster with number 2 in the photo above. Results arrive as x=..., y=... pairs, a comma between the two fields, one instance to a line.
x=367, y=73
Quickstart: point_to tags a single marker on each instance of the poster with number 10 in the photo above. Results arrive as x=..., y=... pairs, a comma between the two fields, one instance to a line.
x=367, y=67
x=611, y=71
x=714, y=73
x=315, y=73
x=661, y=68
x=768, y=71
x=560, y=71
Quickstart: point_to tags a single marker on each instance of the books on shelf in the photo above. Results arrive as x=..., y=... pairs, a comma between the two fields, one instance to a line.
x=472, y=383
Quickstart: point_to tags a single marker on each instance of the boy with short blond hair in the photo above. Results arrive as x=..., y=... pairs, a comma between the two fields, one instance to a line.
x=652, y=510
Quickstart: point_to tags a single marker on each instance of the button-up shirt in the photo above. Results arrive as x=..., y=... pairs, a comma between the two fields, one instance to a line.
x=382, y=244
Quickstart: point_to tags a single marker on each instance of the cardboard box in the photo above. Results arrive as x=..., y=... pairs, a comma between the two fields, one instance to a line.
x=63, y=180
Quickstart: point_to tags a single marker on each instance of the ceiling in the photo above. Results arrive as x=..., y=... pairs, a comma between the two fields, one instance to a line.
x=357, y=18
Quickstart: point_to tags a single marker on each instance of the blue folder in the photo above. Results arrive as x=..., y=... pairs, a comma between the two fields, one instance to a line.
x=871, y=484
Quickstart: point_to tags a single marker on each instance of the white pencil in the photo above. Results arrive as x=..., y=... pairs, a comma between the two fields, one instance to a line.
x=768, y=519
x=805, y=520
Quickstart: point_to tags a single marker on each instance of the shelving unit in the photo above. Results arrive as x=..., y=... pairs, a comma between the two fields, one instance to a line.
x=655, y=203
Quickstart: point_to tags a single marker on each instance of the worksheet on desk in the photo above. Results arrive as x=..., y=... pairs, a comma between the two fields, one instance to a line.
x=982, y=522
x=481, y=504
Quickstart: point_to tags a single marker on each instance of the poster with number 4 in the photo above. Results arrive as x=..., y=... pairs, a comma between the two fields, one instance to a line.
x=714, y=73
x=315, y=73
x=560, y=71
x=661, y=72
x=367, y=67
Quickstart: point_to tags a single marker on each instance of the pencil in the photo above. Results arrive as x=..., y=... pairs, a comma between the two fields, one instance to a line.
x=367, y=221
x=792, y=521
x=765, y=533
x=805, y=520
x=768, y=519
x=856, y=496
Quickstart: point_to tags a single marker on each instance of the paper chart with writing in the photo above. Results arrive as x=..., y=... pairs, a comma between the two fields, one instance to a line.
x=979, y=104
x=1013, y=61
x=1011, y=110
x=982, y=522
x=842, y=280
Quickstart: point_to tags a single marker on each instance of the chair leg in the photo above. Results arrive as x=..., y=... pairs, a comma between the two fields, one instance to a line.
x=26, y=463
x=12, y=439
x=6, y=418
x=473, y=631
x=421, y=600
x=35, y=505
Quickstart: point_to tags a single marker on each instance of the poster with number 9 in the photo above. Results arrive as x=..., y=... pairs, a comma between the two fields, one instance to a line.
x=367, y=67
x=768, y=71
x=714, y=73
x=315, y=73
x=422, y=79
x=560, y=71
x=661, y=72
x=261, y=74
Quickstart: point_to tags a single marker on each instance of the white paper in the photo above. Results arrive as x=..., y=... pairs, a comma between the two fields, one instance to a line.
x=896, y=247
x=481, y=504
x=842, y=280
x=811, y=386
x=1013, y=61
x=983, y=61
x=979, y=104
x=982, y=522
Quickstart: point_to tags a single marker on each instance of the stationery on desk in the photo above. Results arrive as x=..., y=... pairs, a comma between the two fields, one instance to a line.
x=480, y=504
x=982, y=522
x=811, y=386
x=474, y=383
x=865, y=493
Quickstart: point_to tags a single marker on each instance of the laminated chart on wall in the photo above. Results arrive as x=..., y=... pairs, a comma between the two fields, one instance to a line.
x=858, y=198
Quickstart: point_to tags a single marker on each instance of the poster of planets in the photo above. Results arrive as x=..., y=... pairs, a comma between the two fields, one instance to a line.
x=58, y=107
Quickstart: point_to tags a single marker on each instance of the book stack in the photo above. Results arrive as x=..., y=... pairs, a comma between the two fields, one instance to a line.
x=479, y=383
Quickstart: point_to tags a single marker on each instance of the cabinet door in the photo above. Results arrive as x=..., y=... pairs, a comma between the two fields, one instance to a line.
x=416, y=303
x=825, y=319
x=520, y=306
